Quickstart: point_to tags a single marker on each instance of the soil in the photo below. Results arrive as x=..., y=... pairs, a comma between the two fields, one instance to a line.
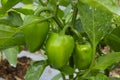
x=14, y=73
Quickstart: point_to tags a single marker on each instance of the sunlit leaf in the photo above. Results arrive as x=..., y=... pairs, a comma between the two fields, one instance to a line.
x=106, y=5
x=11, y=55
x=57, y=77
x=10, y=36
x=15, y=18
x=107, y=60
x=8, y=4
x=96, y=23
x=35, y=70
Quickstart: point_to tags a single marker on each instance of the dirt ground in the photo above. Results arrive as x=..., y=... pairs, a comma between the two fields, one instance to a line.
x=14, y=73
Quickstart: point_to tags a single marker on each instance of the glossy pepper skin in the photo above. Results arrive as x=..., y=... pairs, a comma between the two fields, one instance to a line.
x=59, y=48
x=35, y=33
x=83, y=56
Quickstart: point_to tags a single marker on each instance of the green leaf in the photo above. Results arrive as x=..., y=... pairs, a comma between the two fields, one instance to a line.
x=13, y=41
x=57, y=77
x=116, y=20
x=10, y=36
x=11, y=55
x=60, y=13
x=107, y=60
x=78, y=26
x=67, y=10
x=96, y=23
x=113, y=39
x=28, y=6
x=12, y=19
x=15, y=18
x=5, y=21
x=25, y=11
x=64, y=2
x=114, y=78
x=106, y=5
x=9, y=4
x=68, y=14
x=3, y=2
x=29, y=19
x=61, y=2
x=27, y=1
x=35, y=70
x=6, y=32
x=67, y=70
x=99, y=77
x=18, y=39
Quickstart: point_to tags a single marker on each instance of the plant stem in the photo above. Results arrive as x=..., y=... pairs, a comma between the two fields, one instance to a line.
x=63, y=76
x=64, y=29
x=94, y=44
x=57, y=20
x=1, y=56
x=75, y=11
x=71, y=63
x=42, y=3
x=39, y=10
x=56, y=10
x=37, y=13
x=54, y=14
x=107, y=72
x=77, y=34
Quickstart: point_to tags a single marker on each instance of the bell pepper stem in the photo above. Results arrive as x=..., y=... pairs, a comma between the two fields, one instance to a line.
x=40, y=10
x=36, y=22
x=55, y=18
x=77, y=34
x=64, y=29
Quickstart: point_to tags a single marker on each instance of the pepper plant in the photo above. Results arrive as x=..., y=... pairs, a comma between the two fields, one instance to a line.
x=72, y=34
